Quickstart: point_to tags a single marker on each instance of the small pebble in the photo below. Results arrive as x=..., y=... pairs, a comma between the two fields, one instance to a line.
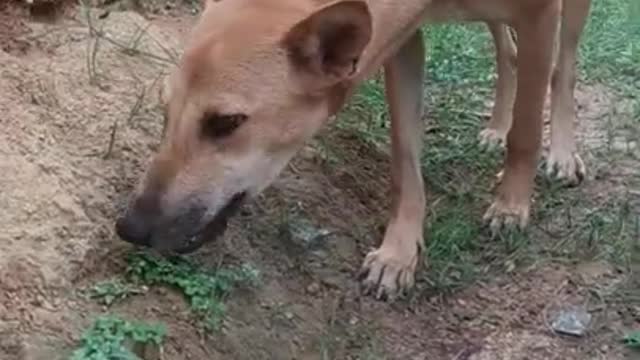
x=162, y=291
x=313, y=288
x=288, y=315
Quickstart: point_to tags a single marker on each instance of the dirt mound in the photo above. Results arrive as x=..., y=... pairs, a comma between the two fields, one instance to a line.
x=59, y=110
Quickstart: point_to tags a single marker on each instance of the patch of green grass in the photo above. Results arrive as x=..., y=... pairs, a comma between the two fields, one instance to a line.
x=108, y=337
x=452, y=231
x=366, y=115
x=459, y=247
x=360, y=341
x=610, y=46
x=112, y=291
x=205, y=290
x=609, y=55
x=632, y=340
x=610, y=231
x=459, y=55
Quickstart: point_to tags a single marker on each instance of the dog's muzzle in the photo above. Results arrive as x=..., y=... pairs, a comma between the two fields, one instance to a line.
x=183, y=234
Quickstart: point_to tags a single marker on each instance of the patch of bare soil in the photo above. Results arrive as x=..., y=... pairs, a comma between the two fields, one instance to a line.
x=12, y=27
x=74, y=142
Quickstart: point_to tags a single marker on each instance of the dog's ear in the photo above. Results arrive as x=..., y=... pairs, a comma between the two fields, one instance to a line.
x=329, y=42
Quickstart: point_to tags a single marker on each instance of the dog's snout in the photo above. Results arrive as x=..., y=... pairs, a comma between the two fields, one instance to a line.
x=133, y=229
x=137, y=224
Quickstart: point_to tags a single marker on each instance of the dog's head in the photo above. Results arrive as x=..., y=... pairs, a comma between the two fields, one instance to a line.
x=258, y=78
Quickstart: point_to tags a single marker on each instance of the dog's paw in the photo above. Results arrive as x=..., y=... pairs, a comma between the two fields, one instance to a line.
x=566, y=166
x=387, y=273
x=502, y=216
x=491, y=139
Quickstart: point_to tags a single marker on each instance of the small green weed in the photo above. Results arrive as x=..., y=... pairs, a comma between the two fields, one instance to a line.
x=205, y=290
x=111, y=291
x=632, y=340
x=107, y=339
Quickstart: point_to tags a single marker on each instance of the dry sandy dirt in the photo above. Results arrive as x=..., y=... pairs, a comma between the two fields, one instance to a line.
x=60, y=190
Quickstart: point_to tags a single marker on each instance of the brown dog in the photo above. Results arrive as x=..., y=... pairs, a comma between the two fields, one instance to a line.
x=260, y=77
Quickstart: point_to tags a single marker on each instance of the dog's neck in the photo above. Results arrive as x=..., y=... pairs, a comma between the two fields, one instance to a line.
x=392, y=26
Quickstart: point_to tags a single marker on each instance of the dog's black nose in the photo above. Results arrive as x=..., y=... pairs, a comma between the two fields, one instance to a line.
x=134, y=230
x=137, y=223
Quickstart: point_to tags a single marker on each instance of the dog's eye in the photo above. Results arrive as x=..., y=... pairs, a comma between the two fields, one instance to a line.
x=216, y=126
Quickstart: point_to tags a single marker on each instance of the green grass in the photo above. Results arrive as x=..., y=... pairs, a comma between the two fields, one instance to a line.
x=609, y=55
x=205, y=290
x=458, y=174
x=111, y=338
x=632, y=340
x=112, y=291
x=610, y=46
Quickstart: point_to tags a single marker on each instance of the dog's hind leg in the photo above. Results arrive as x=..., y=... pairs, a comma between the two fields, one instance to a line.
x=511, y=205
x=505, y=87
x=390, y=269
x=563, y=160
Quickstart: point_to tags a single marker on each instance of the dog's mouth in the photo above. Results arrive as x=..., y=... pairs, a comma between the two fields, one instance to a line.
x=215, y=228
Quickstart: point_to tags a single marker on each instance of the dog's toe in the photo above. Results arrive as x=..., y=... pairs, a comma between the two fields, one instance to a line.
x=386, y=275
x=491, y=139
x=501, y=217
x=565, y=166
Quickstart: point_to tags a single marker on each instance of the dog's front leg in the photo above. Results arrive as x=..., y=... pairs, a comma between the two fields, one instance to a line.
x=390, y=269
x=511, y=205
x=564, y=160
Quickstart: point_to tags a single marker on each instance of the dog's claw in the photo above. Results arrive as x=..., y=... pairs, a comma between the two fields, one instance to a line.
x=386, y=275
x=503, y=217
x=491, y=139
x=566, y=166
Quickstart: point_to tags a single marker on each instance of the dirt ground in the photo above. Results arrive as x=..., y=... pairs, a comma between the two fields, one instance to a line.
x=73, y=142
